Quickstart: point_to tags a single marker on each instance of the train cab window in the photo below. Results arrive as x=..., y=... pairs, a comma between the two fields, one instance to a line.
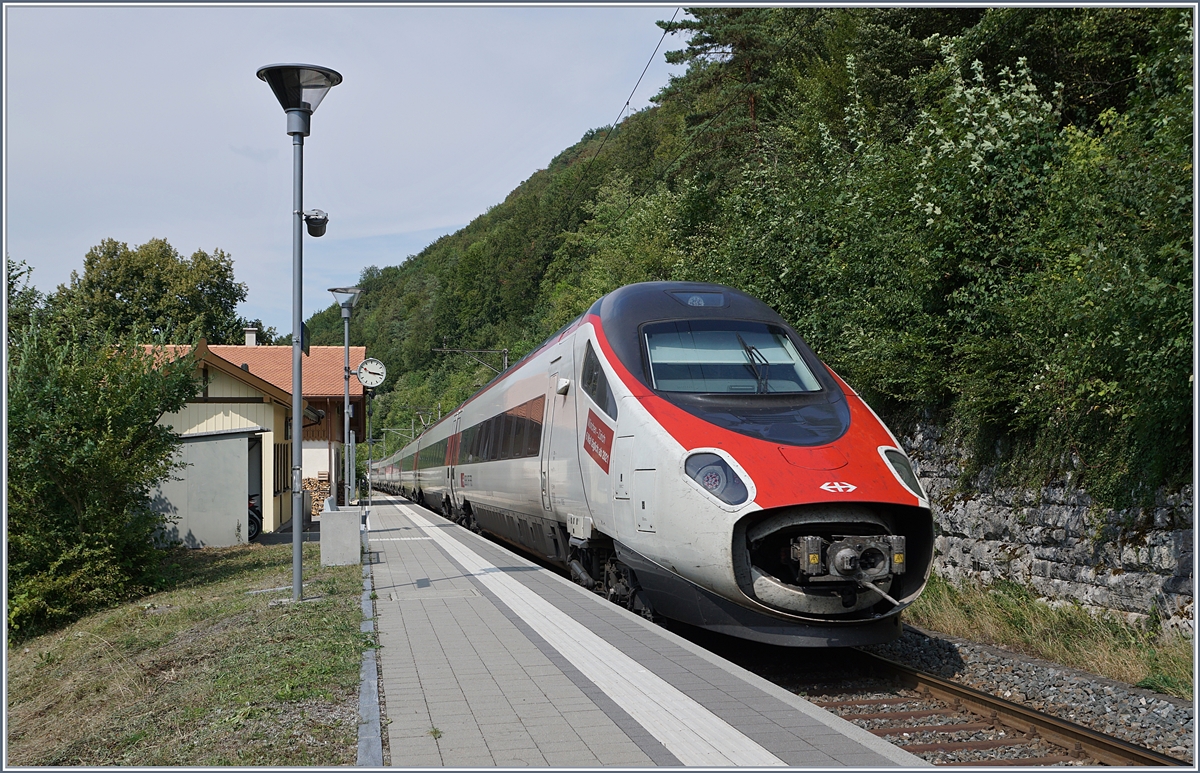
x=595, y=383
x=725, y=356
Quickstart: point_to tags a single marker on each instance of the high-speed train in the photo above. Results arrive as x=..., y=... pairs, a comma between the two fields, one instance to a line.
x=679, y=449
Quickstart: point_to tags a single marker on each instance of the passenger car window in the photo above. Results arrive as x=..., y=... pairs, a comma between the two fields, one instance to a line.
x=533, y=434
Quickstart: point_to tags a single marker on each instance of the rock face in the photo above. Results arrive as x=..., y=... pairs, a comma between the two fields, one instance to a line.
x=1058, y=541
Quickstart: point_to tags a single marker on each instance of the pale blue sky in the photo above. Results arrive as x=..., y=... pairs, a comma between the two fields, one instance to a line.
x=142, y=122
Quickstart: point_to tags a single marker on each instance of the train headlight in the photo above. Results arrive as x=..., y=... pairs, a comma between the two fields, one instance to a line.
x=717, y=477
x=903, y=470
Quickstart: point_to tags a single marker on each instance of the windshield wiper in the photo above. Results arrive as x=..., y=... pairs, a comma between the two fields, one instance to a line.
x=758, y=365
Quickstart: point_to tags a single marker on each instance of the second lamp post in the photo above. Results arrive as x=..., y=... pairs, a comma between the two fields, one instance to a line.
x=299, y=89
x=346, y=298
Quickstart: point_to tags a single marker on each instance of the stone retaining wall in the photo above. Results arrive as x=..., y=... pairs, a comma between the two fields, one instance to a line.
x=1057, y=542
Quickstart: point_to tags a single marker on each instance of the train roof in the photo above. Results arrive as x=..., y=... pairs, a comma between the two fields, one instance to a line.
x=643, y=302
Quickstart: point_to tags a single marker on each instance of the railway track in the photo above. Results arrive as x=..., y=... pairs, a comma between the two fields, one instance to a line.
x=949, y=724
x=941, y=721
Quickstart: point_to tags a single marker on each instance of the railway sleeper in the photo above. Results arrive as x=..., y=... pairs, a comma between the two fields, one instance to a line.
x=899, y=715
x=958, y=746
x=1022, y=761
x=862, y=702
x=966, y=727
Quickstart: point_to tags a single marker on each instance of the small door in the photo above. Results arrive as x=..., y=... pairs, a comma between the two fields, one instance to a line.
x=643, y=499
x=622, y=457
x=622, y=482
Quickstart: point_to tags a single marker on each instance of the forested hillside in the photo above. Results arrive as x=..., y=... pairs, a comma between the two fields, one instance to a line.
x=978, y=217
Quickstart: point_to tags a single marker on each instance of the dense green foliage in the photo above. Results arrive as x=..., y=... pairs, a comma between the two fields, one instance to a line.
x=84, y=452
x=153, y=286
x=980, y=216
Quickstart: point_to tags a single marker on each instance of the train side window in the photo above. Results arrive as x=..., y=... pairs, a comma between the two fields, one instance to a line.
x=595, y=383
x=477, y=443
x=517, y=422
x=464, y=446
x=481, y=454
x=493, y=440
x=533, y=436
x=506, y=445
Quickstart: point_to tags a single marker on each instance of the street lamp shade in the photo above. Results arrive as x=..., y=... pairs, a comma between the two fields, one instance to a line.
x=346, y=296
x=299, y=86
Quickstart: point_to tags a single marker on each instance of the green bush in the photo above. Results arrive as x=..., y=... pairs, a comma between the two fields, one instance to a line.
x=84, y=452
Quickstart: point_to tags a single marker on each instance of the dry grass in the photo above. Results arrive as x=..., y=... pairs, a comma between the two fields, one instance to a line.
x=1010, y=615
x=204, y=674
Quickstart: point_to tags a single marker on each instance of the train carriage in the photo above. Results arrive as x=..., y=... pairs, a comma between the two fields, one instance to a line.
x=681, y=450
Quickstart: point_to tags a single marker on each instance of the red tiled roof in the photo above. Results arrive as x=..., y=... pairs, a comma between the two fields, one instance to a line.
x=323, y=374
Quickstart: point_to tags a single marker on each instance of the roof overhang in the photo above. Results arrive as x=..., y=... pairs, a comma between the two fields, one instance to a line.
x=205, y=356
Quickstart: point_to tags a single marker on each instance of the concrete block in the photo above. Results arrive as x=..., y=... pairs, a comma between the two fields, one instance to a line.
x=341, y=543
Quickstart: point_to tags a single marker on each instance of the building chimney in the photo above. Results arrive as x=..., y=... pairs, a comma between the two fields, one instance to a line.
x=251, y=336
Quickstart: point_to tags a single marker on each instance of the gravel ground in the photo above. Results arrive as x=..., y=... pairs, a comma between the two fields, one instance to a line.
x=1160, y=722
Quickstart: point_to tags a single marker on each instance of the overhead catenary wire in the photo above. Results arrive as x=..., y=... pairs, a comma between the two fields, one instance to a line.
x=587, y=170
x=733, y=100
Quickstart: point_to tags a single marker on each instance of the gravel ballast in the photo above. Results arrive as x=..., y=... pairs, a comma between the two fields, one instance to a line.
x=1160, y=722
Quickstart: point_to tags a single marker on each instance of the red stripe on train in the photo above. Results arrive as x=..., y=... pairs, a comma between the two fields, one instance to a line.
x=780, y=480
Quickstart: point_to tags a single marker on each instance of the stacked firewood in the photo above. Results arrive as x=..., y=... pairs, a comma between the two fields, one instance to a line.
x=320, y=490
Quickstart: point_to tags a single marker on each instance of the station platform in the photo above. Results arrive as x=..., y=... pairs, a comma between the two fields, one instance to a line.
x=489, y=660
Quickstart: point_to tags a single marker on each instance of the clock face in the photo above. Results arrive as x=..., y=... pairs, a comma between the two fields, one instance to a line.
x=371, y=373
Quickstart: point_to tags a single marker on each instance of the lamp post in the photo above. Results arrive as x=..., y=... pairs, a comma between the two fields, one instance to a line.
x=299, y=89
x=346, y=298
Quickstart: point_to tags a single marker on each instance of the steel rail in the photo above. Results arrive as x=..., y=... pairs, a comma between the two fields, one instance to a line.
x=1069, y=735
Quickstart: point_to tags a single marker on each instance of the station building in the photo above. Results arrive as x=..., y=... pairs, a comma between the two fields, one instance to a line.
x=236, y=435
x=324, y=394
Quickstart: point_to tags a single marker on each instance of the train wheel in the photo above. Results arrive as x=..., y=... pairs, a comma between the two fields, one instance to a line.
x=624, y=589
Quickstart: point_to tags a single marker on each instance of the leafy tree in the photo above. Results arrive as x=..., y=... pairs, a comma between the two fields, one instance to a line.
x=1088, y=55
x=84, y=452
x=152, y=286
x=23, y=299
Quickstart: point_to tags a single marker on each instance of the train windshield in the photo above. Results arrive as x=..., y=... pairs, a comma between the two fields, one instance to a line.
x=704, y=356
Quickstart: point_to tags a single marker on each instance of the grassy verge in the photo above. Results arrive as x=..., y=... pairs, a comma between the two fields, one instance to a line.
x=202, y=674
x=1009, y=615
